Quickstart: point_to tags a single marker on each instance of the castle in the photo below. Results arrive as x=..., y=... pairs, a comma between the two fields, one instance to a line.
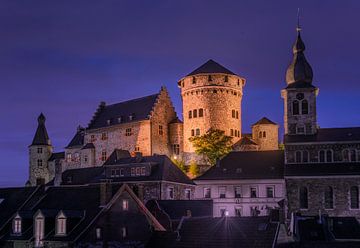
x=211, y=97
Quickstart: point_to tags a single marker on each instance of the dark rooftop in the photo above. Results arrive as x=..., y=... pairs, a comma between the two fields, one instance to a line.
x=108, y=115
x=57, y=155
x=88, y=146
x=211, y=67
x=41, y=136
x=264, y=120
x=245, y=140
x=248, y=165
x=322, y=169
x=327, y=135
x=78, y=139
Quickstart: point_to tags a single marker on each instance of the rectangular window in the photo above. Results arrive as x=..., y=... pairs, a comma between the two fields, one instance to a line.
x=238, y=212
x=161, y=131
x=237, y=192
x=176, y=149
x=270, y=192
x=128, y=132
x=197, y=132
x=195, y=113
x=137, y=149
x=39, y=150
x=123, y=232
x=85, y=158
x=104, y=136
x=192, y=132
x=113, y=173
x=201, y=112
x=132, y=172
x=39, y=163
x=39, y=232
x=98, y=233
x=233, y=113
x=253, y=192
x=92, y=138
x=190, y=114
x=68, y=157
x=170, y=193
x=231, y=132
x=222, y=192
x=187, y=194
x=207, y=193
x=103, y=156
x=122, y=172
x=237, y=114
x=17, y=226
x=223, y=212
x=61, y=226
x=125, y=205
x=138, y=171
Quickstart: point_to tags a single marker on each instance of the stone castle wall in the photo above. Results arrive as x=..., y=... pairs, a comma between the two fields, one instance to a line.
x=271, y=139
x=217, y=98
x=36, y=171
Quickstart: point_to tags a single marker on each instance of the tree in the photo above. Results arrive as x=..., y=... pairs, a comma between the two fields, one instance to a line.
x=214, y=145
x=180, y=164
x=194, y=169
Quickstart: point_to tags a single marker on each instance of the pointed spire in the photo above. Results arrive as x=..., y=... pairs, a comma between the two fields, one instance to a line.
x=299, y=71
x=41, y=136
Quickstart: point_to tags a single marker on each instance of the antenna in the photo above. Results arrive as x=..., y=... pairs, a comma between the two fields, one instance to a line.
x=298, y=28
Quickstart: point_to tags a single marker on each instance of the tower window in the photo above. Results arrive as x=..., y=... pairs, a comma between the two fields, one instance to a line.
x=92, y=138
x=195, y=113
x=237, y=114
x=226, y=79
x=161, y=131
x=128, y=132
x=209, y=78
x=260, y=134
x=176, y=149
x=303, y=198
x=39, y=150
x=264, y=134
x=201, y=112
x=233, y=115
x=304, y=107
x=190, y=114
x=295, y=107
x=300, y=129
x=39, y=163
x=194, y=80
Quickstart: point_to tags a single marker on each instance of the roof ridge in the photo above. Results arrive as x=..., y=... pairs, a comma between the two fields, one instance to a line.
x=134, y=99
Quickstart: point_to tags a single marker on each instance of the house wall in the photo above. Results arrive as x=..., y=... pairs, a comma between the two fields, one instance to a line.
x=245, y=203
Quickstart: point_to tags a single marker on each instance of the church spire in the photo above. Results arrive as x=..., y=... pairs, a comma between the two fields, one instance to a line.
x=299, y=71
x=41, y=136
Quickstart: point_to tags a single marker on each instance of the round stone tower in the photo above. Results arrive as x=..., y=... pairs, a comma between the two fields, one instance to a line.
x=211, y=97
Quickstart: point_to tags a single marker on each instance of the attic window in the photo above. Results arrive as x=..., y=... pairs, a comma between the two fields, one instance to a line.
x=125, y=205
x=61, y=225
x=17, y=225
x=119, y=119
x=132, y=117
x=98, y=233
x=108, y=122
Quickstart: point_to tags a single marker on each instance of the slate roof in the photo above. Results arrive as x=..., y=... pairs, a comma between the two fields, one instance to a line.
x=322, y=169
x=247, y=165
x=229, y=232
x=88, y=146
x=57, y=155
x=78, y=139
x=326, y=135
x=82, y=176
x=263, y=121
x=140, y=108
x=41, y=136
x=211, y=67
x=178, y=208
x=245, y=140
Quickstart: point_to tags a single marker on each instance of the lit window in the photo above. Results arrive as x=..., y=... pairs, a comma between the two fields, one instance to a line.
x=195, y=113
x=171, y=193
x=76, y=157
x=123, y=232
x=98, y=233
x=17, y=225
x=39, y=150
x=329, y=198
x=103, y=155
x=354, y=197
x=132, y=117
x=303, y=198
x=207, y=193
x=104, y=136
x=125, y=205
x=61, y=225
x=161, y=131
x=253, y=192
x=119, y=119
x=128, y=132
x=68, y=157
x=222, y=192
x=237, y=192
x=270, y=192
x=108, y=122
x=39, y=231
x=187, y=194
x=201, y=112
x=39, y=163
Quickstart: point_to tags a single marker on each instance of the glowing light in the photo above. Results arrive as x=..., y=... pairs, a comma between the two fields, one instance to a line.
x=226, y=213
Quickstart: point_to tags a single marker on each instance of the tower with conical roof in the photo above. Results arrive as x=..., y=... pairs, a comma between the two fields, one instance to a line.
x=211, y=97
x=300, y=94
x=40, y=151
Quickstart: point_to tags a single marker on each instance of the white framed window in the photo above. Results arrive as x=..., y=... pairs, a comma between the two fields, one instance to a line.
x=98, y=233
x=207, y=193
x=326, y=156
x=237, y=192
x=270, y=191
x=349, y=155
x=39, y=230
x=61, y=224
x=68, y=157
x=170, y=191
x=125, y=204
x=187, y=194
x=222, y=192
x=17, y=225
x=253, y=192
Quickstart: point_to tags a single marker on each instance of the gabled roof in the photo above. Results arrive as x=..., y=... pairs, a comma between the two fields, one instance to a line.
x=245, y=141
x=41, y=136
x=78, y=139
x=56, y=156
x=211, y=67
x=263, y=121
x=139, y=108
x=247, y=165
x=327, y=135
x=88, y=146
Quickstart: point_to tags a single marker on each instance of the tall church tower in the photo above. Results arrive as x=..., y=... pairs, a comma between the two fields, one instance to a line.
x=299, y=95
x=211, y=97
x=40, y=151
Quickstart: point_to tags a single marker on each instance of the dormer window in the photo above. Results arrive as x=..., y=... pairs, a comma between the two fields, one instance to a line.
x=17, y=225
x=98, y=233
x=61, y=224
x=108, y=122
x=39, y=230
x=132, y=117
x=125, y=205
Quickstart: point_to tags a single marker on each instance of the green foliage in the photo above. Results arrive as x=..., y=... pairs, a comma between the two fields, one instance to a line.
x=180, y=164
x=281, y=146
x=214, y=145
x=194, y=169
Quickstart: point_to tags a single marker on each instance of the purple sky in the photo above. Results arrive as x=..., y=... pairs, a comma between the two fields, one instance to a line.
x=64, y=57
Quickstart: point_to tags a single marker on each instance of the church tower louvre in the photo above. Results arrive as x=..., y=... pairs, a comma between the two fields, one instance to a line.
x=211, y=97
x=40, y=151
x=300, y=94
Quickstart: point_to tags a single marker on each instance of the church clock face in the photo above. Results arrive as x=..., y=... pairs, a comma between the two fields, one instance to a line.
x=300, y=96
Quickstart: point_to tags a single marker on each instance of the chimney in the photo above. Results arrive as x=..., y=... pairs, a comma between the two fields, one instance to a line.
x=105, y=192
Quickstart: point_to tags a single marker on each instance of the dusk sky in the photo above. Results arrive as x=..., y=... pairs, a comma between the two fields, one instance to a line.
x=63, y=57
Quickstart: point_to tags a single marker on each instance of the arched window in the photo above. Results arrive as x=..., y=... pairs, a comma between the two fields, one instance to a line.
x=303, y=198
x=260, y=134
x=329, y=198
x=295, y=107
x=201, y=112
x=354, y=197
x=264, y=134
x=349, y=155
x=305, y=157
x=322, y=156
x=195, y=113
x=298, y=156
x=190, y=114
x=304, y=107
x=329, y=156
